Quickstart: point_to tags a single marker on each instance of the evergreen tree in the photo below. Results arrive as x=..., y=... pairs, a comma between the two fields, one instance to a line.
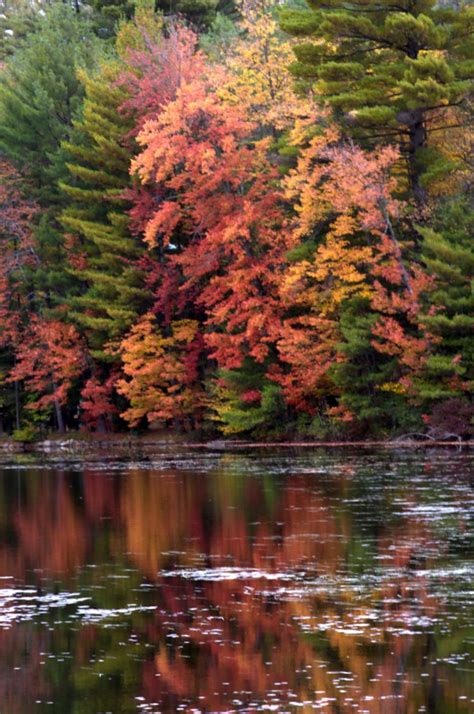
x=200, y=13
x=449, y=256
x=113, y=9
x=40, y=94
x=103, y=253
x=389, y=71
x=108, y=13
x=17, y=20
x=245, y=401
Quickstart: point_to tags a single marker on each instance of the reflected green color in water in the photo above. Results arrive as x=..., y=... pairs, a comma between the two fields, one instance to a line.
x=332, y=581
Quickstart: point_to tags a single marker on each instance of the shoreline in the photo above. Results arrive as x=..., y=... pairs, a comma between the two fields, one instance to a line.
x=122, y=441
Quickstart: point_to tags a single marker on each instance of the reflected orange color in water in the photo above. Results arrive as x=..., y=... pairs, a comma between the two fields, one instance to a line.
x=214, y=641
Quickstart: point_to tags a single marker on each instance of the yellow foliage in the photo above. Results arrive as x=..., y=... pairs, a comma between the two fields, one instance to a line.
x=257, y=78
x=158, y=382
x=393, y=387
x=336, y=274
x=134, y=34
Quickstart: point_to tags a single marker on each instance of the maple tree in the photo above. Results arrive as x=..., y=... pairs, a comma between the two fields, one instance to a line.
x=49, y=357
x=97, y=405
x=155, y=64
x=160, y=372
x=221, y=213
x=257, y=79
x=344, y=201
x=221, y=220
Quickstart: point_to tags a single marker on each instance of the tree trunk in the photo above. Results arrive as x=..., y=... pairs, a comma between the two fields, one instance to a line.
x=416, y=142
x=59, y=417
x=101, y=427
x=17, y=405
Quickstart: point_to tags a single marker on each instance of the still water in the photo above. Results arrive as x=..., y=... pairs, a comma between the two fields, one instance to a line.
x=333, y=581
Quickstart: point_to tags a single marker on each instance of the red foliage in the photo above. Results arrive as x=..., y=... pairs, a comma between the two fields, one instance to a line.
x=360, y=255
x=16, y=251
x=155, y=72
x=48, y=358
x=222, y=221
x=96, y=402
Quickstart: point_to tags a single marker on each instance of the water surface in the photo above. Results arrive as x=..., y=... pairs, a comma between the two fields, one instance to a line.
x=289, y=581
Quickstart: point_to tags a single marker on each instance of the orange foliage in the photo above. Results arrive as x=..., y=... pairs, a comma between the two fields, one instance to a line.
x=160, y=372
x=223, y=209
x=358, y=255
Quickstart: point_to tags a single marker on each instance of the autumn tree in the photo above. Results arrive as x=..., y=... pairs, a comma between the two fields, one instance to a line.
x=156, y=61
x=18, y=261
x=97, y=404
x=161, y=373
x=257, y=78
x=184, y=233
x=49, y=357
x=154, y=66
x=222, y=217
x=353, y=299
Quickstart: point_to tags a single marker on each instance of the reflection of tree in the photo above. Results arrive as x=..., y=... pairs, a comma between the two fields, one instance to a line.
x=250, y=631
x=332, y=618
x=22, y=677
x=162, y=515
x=51, y=530
x=55, y=524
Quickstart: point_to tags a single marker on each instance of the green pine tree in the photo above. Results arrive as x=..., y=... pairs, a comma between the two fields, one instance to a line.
x=245, y=401
x=448, y=254
x=108, y=13
x=17, y=20
x=200, y=13
x=40, y=94
x=111, y=292
x=388, y=70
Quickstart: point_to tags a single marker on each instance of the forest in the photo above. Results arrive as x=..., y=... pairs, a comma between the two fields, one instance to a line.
x=241, y=217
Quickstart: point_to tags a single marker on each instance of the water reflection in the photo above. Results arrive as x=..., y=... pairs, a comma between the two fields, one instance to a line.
x=333, y=582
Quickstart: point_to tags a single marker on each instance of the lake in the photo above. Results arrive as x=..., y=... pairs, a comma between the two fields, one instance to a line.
x=185, y=580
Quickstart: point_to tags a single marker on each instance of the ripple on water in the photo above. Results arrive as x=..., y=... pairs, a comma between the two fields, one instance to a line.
x=26, y=604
